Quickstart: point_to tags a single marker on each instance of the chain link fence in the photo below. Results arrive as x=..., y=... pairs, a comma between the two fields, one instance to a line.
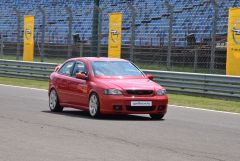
x=174, y=35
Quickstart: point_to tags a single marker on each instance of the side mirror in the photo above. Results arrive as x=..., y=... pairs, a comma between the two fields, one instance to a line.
x=57, y=68
x=81, y=76
x=150, y=76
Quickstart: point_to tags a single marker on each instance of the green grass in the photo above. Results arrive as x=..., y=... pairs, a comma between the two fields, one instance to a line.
x=204, y=102
x=24, y=82
x=181, y=100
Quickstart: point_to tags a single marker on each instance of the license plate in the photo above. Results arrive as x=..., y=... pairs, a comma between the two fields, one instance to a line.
x=141, y=103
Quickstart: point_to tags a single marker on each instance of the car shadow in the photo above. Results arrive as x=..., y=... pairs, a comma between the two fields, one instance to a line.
x=85, y=115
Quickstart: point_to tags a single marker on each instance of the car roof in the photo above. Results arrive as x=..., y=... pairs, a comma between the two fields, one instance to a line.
x=91, y=59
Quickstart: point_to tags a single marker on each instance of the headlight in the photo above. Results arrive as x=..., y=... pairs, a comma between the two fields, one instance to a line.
x=112, y=92
x=161, y=92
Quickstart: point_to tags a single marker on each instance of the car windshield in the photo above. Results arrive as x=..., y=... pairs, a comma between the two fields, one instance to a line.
x=115, y=68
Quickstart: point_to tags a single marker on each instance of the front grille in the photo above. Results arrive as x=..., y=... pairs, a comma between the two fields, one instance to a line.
x=140, y=92
x=140, y=108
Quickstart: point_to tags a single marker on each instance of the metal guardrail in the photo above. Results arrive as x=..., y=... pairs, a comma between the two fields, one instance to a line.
x=178, y=82
x=28, y=70
x=198, y=84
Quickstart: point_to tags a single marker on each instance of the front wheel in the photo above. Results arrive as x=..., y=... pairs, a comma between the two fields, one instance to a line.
x=54, y=102
x=94, y=106
x=156, y=116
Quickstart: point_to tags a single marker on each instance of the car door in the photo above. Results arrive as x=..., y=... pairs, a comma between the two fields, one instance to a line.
x=79, y=87
x=63, y=81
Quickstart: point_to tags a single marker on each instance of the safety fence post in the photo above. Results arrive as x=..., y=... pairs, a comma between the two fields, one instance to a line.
x=18, y=32
x=213, y=35
x=170, y=29
x=133, y=29
x=70, y=21
x=42, y=54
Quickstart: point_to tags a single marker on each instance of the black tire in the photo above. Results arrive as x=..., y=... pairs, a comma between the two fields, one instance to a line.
x=54, y=102
x=94, y=106
x=156, y=116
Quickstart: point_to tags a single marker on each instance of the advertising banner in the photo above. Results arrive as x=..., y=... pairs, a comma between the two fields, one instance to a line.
x=115, y=35
x=28, y=51
x=233, y=48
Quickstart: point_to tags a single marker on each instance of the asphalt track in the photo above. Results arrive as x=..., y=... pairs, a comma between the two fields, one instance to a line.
x=29, y=132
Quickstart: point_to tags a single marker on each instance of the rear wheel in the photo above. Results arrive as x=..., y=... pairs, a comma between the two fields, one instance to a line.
x=94, y=106
x=156, y=116
x=54, y=102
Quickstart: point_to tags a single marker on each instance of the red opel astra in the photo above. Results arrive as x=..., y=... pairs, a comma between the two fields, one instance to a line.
x=105, y=86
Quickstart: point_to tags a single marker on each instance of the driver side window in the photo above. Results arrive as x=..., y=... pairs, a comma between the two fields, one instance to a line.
x=66, y=68
x=79, y=67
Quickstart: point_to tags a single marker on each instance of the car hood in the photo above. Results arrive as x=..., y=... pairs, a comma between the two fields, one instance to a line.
x=126, y=84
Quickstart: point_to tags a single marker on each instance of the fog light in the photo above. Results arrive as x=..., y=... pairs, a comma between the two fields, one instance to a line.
x=162, y=107
x=117, y=107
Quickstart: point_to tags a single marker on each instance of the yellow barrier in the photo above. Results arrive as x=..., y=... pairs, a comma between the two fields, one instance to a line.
x=233, y=49
x=115, y=35
x=28, y=53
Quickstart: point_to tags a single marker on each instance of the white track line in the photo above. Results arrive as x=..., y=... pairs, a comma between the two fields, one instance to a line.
x=202, y=109
x=23, y=87
x=186, y=107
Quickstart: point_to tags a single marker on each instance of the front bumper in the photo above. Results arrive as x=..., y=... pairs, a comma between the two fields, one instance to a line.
x=110, y=104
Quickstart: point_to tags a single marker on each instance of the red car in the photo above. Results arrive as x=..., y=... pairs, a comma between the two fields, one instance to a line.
x=105, y=86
